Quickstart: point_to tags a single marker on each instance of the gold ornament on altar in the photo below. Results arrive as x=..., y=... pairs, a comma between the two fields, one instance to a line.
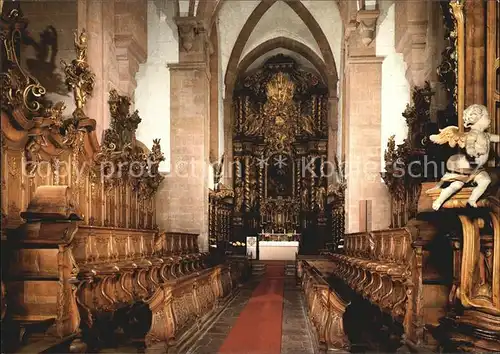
x=280, y=89
x=279, y=119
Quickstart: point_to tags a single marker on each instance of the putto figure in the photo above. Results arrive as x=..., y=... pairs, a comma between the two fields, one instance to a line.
x=466, y=168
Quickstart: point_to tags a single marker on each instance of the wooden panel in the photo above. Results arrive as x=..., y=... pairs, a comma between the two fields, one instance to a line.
x=34, y=263
x=33, y=300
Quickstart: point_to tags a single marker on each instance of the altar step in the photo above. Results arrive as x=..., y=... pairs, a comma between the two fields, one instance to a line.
x=259, y=268
x=290, y=269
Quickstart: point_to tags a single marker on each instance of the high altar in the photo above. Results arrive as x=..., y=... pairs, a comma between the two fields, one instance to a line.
x=279, y=146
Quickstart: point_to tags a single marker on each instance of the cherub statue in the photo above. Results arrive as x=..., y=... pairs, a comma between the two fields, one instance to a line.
x=467, y=168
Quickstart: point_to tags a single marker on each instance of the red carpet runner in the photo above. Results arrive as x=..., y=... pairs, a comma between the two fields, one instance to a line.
x=258, y=328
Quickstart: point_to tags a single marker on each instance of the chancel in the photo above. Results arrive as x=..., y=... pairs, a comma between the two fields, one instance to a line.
x=250, y=176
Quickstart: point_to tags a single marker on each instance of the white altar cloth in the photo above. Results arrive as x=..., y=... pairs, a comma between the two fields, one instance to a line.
x=278, y=250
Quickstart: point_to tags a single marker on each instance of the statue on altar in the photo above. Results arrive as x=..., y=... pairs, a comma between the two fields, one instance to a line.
x=304, y=198
x=254, y=195
x=469, y=167
x=319, y=198
x=238, y=197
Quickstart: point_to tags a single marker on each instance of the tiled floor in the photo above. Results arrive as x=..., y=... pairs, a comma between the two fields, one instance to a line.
x=295, y=333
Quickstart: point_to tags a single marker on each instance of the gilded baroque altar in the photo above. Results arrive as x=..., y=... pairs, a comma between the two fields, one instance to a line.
x=279, y=146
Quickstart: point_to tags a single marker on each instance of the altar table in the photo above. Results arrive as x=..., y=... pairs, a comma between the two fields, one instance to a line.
x=278, y=250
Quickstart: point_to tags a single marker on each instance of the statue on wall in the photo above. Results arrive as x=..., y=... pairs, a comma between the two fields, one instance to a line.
x=253, y=123
x=463, y=169
x=308, y=125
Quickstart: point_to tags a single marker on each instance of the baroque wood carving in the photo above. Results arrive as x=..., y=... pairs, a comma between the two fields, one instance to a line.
x=326, y=309
x=405, y=163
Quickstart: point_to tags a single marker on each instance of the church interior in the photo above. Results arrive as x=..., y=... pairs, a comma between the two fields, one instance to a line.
x=250, y=176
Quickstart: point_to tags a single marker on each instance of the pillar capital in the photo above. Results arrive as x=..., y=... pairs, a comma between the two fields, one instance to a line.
x=193, y=39
x=367, y=23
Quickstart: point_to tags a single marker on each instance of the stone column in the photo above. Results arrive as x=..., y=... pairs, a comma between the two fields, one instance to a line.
x=363, y=97
x=130, y=41
x=182, y=202
x=363, y=148
x=102, y=60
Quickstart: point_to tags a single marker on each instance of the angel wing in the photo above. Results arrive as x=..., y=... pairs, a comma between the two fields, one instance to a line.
x=450, y=135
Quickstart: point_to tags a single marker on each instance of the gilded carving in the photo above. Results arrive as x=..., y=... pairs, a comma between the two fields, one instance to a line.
x=79, y=78
x=119, y=149
x=18, y=89
x=404, y=184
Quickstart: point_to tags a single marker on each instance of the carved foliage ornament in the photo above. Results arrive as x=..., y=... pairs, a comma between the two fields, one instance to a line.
x=121, y=159
x=18, y=89
x=79, y=78
x=50, y=126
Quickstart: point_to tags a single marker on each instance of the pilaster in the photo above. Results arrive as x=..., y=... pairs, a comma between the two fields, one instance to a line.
x=363, y=141
x=130, y=41
x=411, y=38
x=182, y=202
x=102, y=60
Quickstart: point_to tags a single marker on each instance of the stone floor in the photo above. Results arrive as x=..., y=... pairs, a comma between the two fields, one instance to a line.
x=296, y=337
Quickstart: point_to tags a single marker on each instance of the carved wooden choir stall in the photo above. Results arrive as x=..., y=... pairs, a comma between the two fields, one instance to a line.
x=82, y=255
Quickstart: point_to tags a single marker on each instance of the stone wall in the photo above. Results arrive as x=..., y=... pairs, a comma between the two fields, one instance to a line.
x=152, y=95
x=63, y=17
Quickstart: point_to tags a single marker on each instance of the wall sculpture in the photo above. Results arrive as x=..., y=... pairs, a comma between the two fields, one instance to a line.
x=280, y=142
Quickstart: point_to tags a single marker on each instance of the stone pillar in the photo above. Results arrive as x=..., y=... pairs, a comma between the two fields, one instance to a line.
x=410, y=34
x=228, y=141
x=131, y=41
x=363, y=150
x=102, y=59
x=362, y=126
x=182, y=202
